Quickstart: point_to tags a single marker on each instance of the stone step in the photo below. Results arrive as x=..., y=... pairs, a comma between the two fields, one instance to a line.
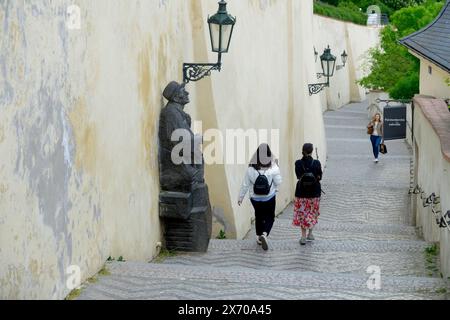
x=346, y=132
x=307, y=259
x=174, y=282
x=357, y=208
x=346, y=121
x=345, y=127
x=347, y=116
x=363, y=157
x=339, y=145
x=359, y=112
x=284, y=230
x=357, y=228
x=322, y=246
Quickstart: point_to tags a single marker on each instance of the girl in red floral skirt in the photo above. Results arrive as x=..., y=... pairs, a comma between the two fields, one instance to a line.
x=307, y=193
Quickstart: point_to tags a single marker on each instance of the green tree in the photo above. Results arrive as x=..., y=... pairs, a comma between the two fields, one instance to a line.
x=364, y=4
x=411, y=19
x=346, y=11
x=399, y=4
x=393, y=68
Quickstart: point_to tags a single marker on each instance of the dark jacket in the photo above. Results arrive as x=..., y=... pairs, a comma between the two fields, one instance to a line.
x=310, y=165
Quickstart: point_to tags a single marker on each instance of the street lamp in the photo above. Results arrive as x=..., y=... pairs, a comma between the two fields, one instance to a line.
x=344, y=57
x=328, y=62
x=221, y=27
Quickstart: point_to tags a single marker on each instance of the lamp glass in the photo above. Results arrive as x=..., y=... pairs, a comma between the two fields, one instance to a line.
x=328, y=67
x=344, y=58
x=226, y=37
x=221, y=27
x=328, y=62
x=220, y=36
x=214, y=30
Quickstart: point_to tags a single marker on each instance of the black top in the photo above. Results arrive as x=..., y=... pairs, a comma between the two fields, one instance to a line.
x=313, y=166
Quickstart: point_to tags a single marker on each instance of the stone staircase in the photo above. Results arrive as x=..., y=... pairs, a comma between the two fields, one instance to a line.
x=365, y=222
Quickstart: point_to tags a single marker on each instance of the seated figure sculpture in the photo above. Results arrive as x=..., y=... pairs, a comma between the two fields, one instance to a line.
x=178, y=177
x=184, y=200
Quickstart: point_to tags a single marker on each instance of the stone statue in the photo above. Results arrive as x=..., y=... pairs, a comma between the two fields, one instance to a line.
x=178, y=177
x=184, y=200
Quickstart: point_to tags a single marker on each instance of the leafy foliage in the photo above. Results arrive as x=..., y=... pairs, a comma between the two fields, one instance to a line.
x=346, y=11
x=222, y=235
x=164, y=254
x=412, y=19
x=365, y=4
x=393, y=68
x=392, y=4
x=406, y=87
x=331, y=2
x=399, y=4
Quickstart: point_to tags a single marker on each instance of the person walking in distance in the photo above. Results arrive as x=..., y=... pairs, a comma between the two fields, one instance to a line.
x=262, y=181
x=307, y=194
x=375, y=130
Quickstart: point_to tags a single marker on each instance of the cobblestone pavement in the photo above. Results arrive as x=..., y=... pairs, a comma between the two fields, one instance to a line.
x=365, y=221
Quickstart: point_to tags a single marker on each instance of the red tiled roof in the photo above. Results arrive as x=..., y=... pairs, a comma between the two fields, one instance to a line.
x=436, y=111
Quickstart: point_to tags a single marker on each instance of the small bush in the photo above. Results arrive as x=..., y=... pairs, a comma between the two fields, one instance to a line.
x=222, y=235
x=346, y=11
x=164, y=254
x=104, y=272
x=331, y=2
x=406, y=87
x=398, y=4
x=75, y=293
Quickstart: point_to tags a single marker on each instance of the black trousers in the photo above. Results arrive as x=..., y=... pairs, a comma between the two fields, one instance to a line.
x=265, y=215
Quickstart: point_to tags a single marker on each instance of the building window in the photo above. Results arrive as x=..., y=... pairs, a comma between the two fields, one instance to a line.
x=430, y=70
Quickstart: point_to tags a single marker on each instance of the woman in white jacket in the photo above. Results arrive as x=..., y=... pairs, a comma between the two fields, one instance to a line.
x=262, y=180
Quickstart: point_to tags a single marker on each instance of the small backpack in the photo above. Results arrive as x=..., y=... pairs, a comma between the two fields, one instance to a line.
x=261, y=186
x=308, y=180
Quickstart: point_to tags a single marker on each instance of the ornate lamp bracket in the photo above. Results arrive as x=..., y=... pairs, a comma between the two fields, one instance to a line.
x=197, y=71
x=317, y=87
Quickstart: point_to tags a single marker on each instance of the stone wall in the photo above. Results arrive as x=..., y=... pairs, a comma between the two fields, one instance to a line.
x=356, y=40
x=432, y=170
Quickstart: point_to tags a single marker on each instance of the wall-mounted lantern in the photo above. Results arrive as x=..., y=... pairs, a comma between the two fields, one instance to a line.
x=221, y=27
x=328, y=62
x=316, y=54
x=344, y=57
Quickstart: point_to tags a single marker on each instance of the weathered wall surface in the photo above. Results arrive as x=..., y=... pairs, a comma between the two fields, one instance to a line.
x=78, y=120
x=356, y=40
x=79, y=116
x=433, y=176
